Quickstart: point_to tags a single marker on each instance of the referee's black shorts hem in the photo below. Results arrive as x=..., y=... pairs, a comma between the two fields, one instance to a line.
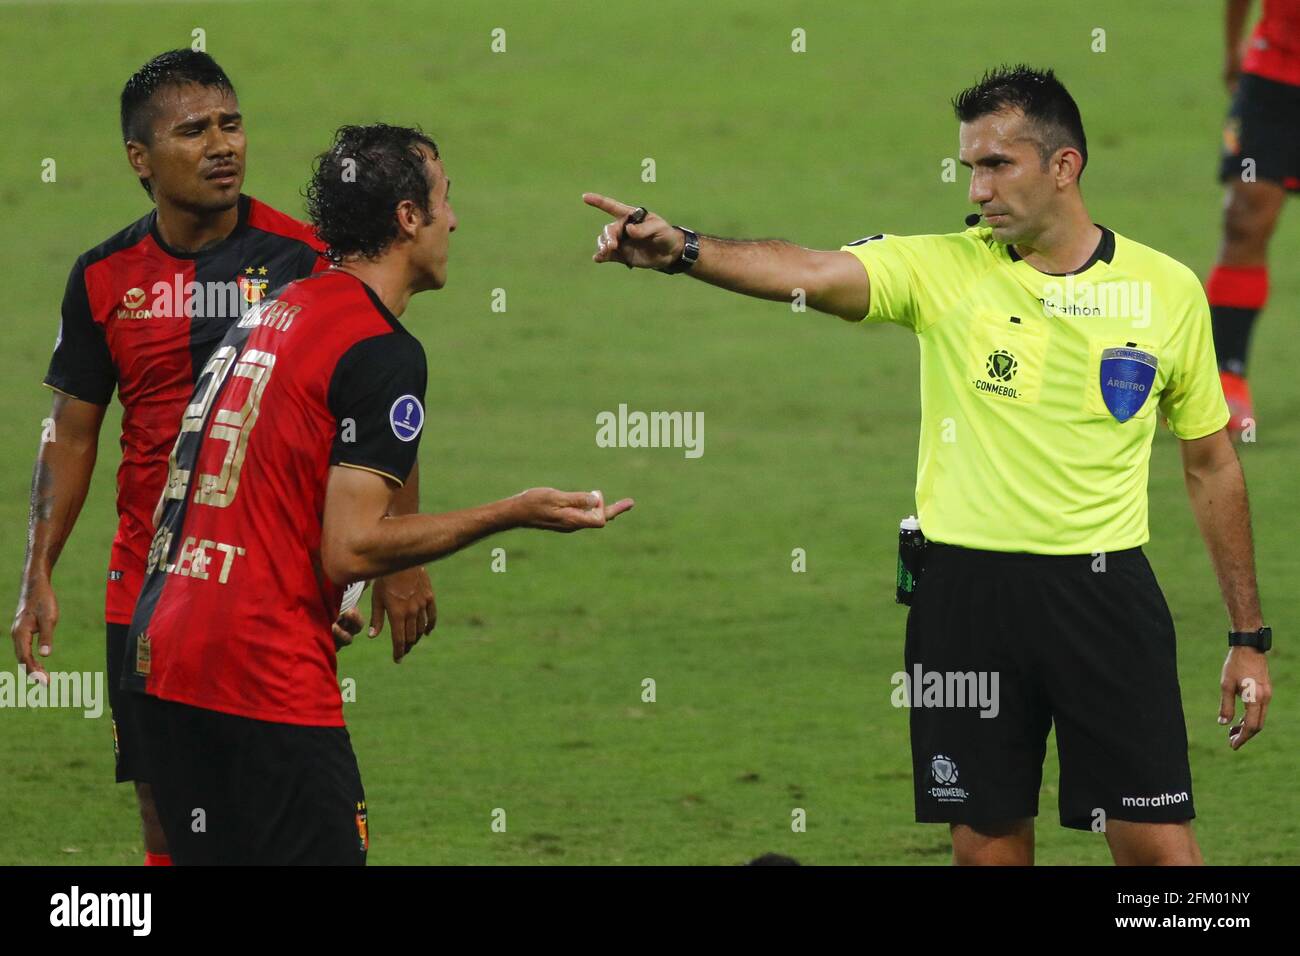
x=1022, y=642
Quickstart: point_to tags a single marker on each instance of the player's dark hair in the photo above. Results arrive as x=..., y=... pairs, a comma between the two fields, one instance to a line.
x=166, y=69
x=359, y=181
x=1039, y=95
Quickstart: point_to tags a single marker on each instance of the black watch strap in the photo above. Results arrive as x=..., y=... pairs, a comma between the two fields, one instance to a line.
x=1261, y=640
x=690, y=253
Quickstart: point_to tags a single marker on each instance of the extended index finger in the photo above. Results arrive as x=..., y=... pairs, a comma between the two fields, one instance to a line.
x=617, y=508
x=605, y=204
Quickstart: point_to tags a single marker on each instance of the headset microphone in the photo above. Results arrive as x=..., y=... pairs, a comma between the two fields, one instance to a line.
x=972, y=220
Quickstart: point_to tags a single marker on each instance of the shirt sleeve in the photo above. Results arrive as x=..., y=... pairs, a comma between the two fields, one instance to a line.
x=377, y=398
x=1193, y=399
x=81, y=365
x=913, y=277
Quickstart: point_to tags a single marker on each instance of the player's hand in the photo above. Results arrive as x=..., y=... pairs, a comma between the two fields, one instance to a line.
x=347, y=626
x=552, y=510
x=652, y=244
x=1245, y=675
x=1232, y=71
x=33, y=627
x=407, y=598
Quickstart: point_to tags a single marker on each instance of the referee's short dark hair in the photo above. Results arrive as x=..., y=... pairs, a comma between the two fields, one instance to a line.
x=172, y=68
x=1039, y=95
x=358, y=183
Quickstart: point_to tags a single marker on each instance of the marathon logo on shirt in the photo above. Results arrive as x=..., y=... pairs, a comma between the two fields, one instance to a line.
x=1107, y=299
x=1126, y=377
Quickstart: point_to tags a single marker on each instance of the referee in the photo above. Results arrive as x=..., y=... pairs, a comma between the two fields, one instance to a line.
x=1050, y=346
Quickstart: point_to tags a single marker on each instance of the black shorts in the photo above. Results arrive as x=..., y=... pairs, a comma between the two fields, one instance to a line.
x=122, y=711
x=233, y=790
x=1264, y=125
x=1020, y=641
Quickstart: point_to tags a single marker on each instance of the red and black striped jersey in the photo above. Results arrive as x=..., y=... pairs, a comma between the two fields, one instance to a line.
x=235, y=614
x=142, y=317
x=1273, y=50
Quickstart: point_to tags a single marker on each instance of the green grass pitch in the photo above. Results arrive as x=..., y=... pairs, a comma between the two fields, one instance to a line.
x=772, y=687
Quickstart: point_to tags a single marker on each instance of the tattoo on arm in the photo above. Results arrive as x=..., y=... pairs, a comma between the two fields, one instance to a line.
x=42, y=503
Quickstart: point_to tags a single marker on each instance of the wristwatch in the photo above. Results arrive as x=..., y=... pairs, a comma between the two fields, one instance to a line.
x=1261, y=640
x=690, y=252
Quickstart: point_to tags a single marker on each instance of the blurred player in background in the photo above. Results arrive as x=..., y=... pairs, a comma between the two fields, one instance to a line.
x=1260, y=165
x=1038, y=410
x=300, y=432
x=129, y=323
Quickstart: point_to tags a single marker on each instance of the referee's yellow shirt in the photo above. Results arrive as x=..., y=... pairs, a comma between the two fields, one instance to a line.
x=1040, y=393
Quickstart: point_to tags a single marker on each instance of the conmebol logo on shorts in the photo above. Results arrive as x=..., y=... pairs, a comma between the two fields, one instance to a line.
x=944, y=771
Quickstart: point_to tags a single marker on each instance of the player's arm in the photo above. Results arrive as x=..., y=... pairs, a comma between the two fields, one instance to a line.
x=1234, y=29
x=1217, y=489
x=60, y=480
x=360, y=540
x=405, y=597
x=832, y=281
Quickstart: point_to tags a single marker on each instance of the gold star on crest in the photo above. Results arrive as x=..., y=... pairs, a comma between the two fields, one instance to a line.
x=248, y=271
x=261, y=271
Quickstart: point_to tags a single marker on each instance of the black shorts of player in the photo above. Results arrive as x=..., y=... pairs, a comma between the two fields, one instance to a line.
x=231, y=790
x=1263, y=125
x=1001, y=646
x=122, y=710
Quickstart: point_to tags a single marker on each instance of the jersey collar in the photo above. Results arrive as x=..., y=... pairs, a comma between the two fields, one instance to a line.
x=244, y=204
x=1104, y=252
x=373, y=296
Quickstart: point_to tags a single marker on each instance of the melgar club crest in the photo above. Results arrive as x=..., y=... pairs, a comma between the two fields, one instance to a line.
x=253, y=287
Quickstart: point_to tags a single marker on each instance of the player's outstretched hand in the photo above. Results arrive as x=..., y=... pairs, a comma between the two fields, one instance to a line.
x=1245, y=674
x=34, y=622
x=553, y=510
x=407, y=598
x=651, y=244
